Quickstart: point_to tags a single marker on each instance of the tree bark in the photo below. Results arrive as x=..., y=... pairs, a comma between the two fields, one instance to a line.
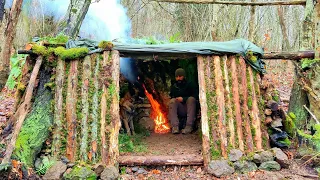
x=283, y=29
x=76, y=12
x=2, y=2
x=204, y=112
x=181, y=160
x=288, y=55
x=22, y=111
x=10, y=33
x=251, y=22
x=241, y=3
x=317, y=31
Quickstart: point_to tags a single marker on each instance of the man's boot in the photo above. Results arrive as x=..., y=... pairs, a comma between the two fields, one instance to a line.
x=187, y=130
x=175, y=130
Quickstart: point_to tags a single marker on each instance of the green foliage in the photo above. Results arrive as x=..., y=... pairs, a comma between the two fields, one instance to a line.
x=292, y=115
x=72, y=53
x=16, y=62
x=60, y=38
x=45, y=165
x=215, y=154
x=315, y=138
x=131, y=143
x=175, y=38
x=286, y=142
x=105, y=45
x=306, y=63
x=123, y=170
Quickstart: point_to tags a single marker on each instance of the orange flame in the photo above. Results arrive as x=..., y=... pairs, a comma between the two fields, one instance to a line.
x=158, y=117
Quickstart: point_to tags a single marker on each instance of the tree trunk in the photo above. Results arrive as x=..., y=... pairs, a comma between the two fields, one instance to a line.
x=76, y=12
x=307, y=27
x=283, y=29
x=241, y=3
x=181, y=160
x=251, y=22
x=10, y=33
x=2, y=2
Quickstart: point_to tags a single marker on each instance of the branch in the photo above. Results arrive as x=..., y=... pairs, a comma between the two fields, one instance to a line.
x=241, y=3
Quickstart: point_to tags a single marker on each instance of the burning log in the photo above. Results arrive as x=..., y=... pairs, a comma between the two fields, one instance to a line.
x=161, y=160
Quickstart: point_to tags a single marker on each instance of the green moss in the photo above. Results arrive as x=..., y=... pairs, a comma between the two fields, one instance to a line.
x=315, y=138
x=60, y=38
x=35, y=130
x=73, y=10
x=105, y=45
x=78, y=172
x=215, y=154
x=72, y=53
x=39, y=50
x=307, y=63
x=249, y=103
x=292, y=115
x=289, y=126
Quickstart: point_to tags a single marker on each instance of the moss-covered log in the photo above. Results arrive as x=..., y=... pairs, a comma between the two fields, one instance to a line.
x=36, y=128
x=221, y=105
x=71, y=111
x=204, y=111
x=58, y=107
x=244, y=104
x=236, y=101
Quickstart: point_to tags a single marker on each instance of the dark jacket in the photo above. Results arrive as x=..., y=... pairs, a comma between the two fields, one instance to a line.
x=184, y=89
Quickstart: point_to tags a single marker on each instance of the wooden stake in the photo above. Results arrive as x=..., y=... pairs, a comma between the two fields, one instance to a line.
x=113, y=152
x=22, y=111
x=228, y=102
x=71, y=111
x=221, y=105
x=58, y=109
x=204, y=112
x=236, y=101
x=255, y=112
x=245, y=109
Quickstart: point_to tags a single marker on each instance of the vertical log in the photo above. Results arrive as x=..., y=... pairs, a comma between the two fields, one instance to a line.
x=22, y=111
x=204, y=112
x=235, y=92
x=221, y=105
x=255, y=113
x=71, y=111
x=114, y=89
x=211, y=102
x=317, y=31
x=94, y=113
x=86, y=75
x=103, y=104
x=58, y=111
x=228, y=103
x=245, y=109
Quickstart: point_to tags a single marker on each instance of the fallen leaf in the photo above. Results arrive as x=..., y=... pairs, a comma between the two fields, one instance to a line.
x=156, y=171
x=28, y=46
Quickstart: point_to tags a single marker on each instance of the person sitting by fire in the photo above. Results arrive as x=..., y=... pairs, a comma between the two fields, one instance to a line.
x=182, y=104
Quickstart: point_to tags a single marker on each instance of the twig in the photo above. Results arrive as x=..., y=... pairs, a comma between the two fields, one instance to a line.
x=310, y=159
x=306, y=175
x=313, y=116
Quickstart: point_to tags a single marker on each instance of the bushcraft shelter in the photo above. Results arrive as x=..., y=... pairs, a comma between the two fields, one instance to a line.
x=85, y=97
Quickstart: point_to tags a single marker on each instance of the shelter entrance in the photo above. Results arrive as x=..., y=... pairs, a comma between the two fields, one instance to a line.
x=141, y=80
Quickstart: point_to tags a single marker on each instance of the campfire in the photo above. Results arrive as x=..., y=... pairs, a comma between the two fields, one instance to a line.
x=161, y=122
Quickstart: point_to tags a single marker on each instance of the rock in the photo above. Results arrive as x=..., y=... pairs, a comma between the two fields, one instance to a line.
x=110, y=173
x=64, y=159
x=70, y=165
x=276, y=123
x=56, y=171
x=220, y=168
x=142, y=171
x=78, y=172
x=245, y=166
x=37, y=163
x=135, y=169
x=263, y=157
x=270, y=166
x=98, y=169
x=235, y=155
x=281, y=157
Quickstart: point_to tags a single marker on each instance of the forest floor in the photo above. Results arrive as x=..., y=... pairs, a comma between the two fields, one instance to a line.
x=280, y=74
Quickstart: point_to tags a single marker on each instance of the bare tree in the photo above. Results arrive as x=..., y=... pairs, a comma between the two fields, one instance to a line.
x=10, y=33
x=76, y=12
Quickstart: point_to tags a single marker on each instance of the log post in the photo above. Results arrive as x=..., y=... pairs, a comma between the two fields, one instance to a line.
x=22, y=111
x=221, y=105
x=245, y=109
x=236, y=101
x=86, y=76
x=255, y=113
x=71, y=111
x=228, y=101
x=114, y=89
x=204, y=112
x=181, y=160
x=103, y=104
x=58, y=108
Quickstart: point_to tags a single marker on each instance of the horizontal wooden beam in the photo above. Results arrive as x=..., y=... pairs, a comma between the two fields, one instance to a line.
x=176, y=56
x=240, y=3
x=161, y=160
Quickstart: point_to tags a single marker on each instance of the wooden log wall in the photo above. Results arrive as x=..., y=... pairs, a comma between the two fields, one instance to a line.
x=86, y=109
x=229, y=88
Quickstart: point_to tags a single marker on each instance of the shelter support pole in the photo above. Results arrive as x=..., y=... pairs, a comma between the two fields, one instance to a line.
x=204, y=112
